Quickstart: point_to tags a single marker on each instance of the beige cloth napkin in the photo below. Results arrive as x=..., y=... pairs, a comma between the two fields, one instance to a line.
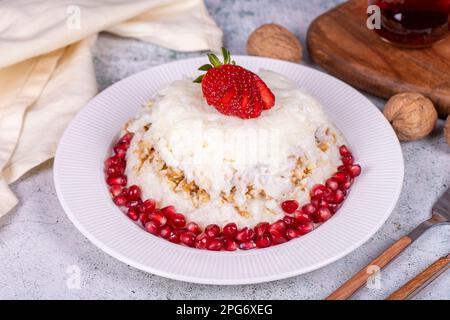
x=46, y=69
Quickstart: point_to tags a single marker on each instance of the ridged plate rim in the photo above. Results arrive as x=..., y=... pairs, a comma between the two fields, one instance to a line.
x=86, y=141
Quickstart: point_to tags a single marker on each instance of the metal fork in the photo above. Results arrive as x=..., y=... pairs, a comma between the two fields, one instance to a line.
x=440, y=215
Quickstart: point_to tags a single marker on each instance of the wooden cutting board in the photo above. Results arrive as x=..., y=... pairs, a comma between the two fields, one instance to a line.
x=340, y=42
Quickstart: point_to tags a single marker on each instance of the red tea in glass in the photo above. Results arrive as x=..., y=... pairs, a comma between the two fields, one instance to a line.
x=413, y=23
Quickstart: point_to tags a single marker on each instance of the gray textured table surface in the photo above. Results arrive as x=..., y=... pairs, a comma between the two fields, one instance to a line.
x=38, y=243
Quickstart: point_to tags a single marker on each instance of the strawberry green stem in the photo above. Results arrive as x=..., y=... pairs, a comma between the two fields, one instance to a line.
x=215, y=62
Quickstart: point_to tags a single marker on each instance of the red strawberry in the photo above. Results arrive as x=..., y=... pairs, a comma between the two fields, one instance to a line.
x=233, y=90
x=268, y=99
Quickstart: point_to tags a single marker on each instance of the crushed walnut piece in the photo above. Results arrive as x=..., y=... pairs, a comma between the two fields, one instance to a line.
x=300, y=172
x=144, y=152
x=228, y=197
x=253, y=193
x=242, y=212
x=297, y=174
x=190, y=188
x=330, y=133
x=175, y=177
x=263, y=194
x=323, y=146
x=324, y=138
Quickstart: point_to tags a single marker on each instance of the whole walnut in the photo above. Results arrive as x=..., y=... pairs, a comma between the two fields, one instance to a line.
x=274, y=41
x=412, y=115
x=447, y=130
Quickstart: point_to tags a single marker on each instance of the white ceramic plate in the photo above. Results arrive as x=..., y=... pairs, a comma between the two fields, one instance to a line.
x=79, y=181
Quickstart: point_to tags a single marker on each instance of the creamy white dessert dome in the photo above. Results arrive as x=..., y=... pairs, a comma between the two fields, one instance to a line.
x=218, y=169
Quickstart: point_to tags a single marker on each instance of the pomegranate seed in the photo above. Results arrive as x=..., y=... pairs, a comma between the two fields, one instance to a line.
x=115, y=190
x=119, y=180
x=263, y=241
x=168, y=211
x=135, y=204
x=112, y=161
x=309, y=209
x=215, y=245
x=251, y=234
x=174, y=237
x=341, y=177
x=157, y=211
x=324, y=204
x=179, y=231
x=230, y=229
x=277, y=238
x=165, y=232
x=247, y=245
x=342, y=168
x=152, y=227
x=126, y=138
x=292, y=233
x=347, y=160
x=143, y=218
x=328, y=196
x=188, y=238
x=121, y=153
x=289, y=206
x=244, y=235
x=305, y=228
x=158, y=218
x=354, y=170
x=288, y=220
x=301, y=217
x=277, y=227
x=115, y=170
x=121, y=200
x=148, y=206
x=339, y=196
x=322, y=215
x=193, y=227
x=134, y=192
x=318, y=191
x=133, y=215
x=332, y=184
x=333, y=207
x=315, y=202
x=229, y=244
x=261, y=228
x=177, y=220
x=212, y=230
x=344, y=151
x=120, y=147
x=202, y=241
x=346, y=185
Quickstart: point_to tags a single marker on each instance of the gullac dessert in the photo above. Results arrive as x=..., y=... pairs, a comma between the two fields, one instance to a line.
x=242, y=160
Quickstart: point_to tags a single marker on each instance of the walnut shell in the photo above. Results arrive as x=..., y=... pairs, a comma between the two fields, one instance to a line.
x=412, y=115
x=447, y=130
x=274, y=41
